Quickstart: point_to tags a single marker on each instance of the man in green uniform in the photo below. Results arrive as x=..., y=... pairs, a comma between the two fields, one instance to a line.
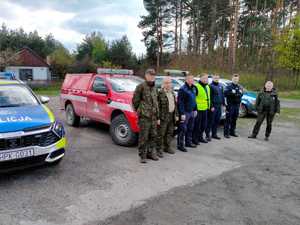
x=146, y=105
x=168, y=115
x=267, y=105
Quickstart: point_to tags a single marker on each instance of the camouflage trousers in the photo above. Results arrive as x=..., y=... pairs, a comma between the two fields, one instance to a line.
x=165, y=133
x=147, y=135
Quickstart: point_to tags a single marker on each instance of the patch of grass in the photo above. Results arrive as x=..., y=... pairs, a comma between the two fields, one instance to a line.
x=51, y=90
x=291, y=95
x=290, y=115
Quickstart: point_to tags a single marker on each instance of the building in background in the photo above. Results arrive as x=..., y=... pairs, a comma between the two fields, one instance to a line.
x=29, y=67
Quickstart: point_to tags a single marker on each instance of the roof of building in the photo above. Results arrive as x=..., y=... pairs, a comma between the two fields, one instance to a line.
x=27, y=57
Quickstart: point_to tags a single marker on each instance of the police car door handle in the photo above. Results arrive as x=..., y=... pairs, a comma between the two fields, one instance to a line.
x=108, y=101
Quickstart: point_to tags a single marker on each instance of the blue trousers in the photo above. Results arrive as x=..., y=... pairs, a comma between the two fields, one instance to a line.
x=214, y=119
x=232, y=114
x=200, y=126
x=185, y=133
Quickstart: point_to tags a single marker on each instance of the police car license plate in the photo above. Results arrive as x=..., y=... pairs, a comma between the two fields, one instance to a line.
x=20, y=154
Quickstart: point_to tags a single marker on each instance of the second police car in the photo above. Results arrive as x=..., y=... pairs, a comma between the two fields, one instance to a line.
x=29, y=133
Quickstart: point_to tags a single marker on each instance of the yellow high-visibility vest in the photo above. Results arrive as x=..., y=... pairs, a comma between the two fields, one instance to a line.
x=203, y=97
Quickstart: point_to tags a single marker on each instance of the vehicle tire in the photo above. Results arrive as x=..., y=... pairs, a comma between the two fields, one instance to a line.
x=71, y=117
x=243, y=112
x=121, y=132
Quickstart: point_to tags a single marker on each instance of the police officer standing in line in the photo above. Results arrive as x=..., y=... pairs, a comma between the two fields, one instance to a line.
x=267, y=105
x=217, y=102
x=168, y=116
x=146, y=104
x=233, y=96
x=203, y=105
x=187, y=112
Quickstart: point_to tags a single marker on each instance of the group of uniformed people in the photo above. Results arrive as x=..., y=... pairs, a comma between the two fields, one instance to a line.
x=197, y=112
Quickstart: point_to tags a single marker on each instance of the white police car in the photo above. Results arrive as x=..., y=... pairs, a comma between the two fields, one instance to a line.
x=29, y=133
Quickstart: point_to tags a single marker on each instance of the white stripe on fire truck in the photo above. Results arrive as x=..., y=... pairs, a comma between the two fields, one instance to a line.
x=74, y=97
x=121, y=106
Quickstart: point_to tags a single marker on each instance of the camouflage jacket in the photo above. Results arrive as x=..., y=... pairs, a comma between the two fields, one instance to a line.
x=145, y=101
x=163, y=104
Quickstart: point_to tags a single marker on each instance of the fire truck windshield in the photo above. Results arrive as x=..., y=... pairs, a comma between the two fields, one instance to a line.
x=122, y=84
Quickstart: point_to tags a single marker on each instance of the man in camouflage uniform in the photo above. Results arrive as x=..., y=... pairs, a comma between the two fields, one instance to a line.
x=168, y=115
x=146, y=105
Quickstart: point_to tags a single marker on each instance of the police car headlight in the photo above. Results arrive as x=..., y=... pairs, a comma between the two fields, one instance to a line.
x=58, y=129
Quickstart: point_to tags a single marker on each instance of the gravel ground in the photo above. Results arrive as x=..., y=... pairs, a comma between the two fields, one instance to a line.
x=236, y=181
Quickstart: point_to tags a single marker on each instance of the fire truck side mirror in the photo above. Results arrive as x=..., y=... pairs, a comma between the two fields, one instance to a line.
x=100, y=89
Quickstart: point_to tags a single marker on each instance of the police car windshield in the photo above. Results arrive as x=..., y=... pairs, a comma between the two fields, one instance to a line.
x=15, y=96
x=122, y=84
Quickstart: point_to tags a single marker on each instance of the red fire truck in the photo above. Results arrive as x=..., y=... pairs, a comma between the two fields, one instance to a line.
x=105, y=97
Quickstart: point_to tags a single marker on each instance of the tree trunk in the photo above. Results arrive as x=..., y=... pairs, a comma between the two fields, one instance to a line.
x=158, y=39
x=212, y=26
x=180, y=29
x=176, y=28
x=233, y=34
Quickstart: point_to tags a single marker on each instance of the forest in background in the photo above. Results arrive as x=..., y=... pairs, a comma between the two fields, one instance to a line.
x=260, y=39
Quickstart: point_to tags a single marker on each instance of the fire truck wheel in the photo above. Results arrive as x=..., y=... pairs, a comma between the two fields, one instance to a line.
x=121, y=132
x=72, y=118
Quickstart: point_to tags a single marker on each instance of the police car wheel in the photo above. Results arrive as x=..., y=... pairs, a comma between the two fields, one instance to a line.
x=243, y=111
x=121, y=132
x=72, y=118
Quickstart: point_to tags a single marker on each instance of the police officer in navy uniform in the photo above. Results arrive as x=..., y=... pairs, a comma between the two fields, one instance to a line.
x=217, y=103
x=233, y=96
x=188, y=111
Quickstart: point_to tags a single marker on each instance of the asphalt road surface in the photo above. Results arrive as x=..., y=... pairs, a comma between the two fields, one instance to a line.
x=227, y=182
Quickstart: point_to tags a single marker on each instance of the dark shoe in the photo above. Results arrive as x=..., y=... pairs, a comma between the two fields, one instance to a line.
x=266, y=138
x=226, y=136
x=234, y=135
x=153, y=156
x=143, y=158
x=252, y=137
x=196, y=143
x=170, y=151
x=183, y=149
x=203, y=141
x=208, y=139
x=216, y=137
x=160, y=154
x=191, y=145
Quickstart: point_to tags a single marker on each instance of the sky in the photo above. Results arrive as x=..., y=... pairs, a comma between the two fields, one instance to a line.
x=70, y=20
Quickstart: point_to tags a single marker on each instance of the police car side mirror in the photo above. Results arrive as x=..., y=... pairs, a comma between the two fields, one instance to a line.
x=44, y=99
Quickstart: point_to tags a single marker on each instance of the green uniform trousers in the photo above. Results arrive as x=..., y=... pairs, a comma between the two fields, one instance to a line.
x=260, y=119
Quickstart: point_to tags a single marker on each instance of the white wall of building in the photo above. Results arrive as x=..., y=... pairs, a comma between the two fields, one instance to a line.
x=39, y=73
